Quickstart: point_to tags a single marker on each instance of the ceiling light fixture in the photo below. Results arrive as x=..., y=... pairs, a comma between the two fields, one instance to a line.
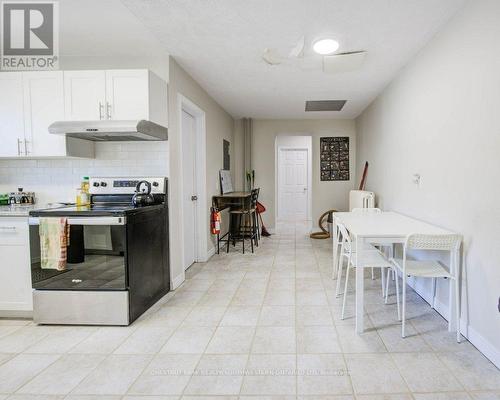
x=325, y=46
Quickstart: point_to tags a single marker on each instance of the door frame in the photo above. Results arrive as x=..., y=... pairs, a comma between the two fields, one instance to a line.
x=201, y=214
x=279, y=150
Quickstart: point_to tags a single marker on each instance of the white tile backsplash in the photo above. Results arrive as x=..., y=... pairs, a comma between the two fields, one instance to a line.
x=57, y=179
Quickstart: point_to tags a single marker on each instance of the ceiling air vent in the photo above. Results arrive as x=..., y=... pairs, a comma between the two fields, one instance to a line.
x=325, y=105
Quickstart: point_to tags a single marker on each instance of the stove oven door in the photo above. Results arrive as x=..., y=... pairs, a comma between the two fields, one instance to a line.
x=96, y=256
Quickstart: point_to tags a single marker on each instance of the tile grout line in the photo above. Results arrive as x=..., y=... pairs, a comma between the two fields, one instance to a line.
x=255, y=330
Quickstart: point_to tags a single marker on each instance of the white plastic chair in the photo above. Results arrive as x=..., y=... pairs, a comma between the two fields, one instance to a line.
x=365, y=259
x=430, y=268
x=372, y=210
x=343, y=249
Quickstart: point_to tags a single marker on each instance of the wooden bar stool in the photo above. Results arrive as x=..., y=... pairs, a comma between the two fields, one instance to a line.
x=248, y=226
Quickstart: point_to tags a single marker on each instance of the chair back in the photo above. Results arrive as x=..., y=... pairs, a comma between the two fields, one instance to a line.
x=419, y=241
x=343, y=232
x=254, y=196
x=370, y=210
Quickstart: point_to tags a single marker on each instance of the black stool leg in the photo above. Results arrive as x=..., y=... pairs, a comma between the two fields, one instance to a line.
x=242, y=232
x=258, y=224
x=255, y=236
x=250, y=222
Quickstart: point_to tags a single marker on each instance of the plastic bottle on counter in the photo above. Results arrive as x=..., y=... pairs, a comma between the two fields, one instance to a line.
x=82, y=193
x=86, y=184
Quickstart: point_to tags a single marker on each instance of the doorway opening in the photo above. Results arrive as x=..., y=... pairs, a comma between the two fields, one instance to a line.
x=293, y=178
x=193, y=161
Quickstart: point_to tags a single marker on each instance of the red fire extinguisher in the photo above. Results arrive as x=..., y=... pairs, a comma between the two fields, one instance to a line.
x=214, y=221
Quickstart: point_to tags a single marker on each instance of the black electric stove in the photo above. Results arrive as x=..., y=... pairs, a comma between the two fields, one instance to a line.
x=117, y=258
x=95, y=210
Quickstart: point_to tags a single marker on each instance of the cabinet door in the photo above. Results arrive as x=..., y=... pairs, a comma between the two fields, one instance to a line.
x=15, y=268
x=127, y=94
x=84, y=95
x=15, y=278
x=11, y=114
x=43, y=105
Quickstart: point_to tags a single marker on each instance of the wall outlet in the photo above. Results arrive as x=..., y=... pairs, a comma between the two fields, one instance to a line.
x=416, y=179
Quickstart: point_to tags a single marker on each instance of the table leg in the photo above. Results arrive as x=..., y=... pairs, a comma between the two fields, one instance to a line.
x=335, y=251
x=453, y=319
x=360, y=291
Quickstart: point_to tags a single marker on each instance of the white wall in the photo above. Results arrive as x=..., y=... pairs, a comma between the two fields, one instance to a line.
x=439, y=118
x=219, y=126
x=325, y=195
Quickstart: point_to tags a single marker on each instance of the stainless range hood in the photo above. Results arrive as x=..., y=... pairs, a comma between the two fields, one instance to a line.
x=110, y=130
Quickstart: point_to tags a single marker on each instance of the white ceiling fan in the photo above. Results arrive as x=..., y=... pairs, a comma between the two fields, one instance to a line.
x=330, y=63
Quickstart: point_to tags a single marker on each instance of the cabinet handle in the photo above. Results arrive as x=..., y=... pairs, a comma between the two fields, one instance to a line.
x=8, y=228
x=18, y=146
x=101, y=110
x=108, y=110
x=26, y=152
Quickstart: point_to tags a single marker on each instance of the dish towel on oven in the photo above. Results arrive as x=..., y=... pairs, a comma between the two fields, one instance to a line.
x=54, y=240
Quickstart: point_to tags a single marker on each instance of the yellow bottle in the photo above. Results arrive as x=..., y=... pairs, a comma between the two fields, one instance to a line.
x=82, y=193
x=85, y=184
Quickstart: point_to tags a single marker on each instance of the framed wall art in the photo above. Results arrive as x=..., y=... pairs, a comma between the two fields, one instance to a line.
x=334, y=158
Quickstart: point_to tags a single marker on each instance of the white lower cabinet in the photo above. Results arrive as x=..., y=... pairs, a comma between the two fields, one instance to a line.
x=16, y=297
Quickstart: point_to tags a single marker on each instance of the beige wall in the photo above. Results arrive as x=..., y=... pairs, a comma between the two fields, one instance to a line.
x=439, y=119
x=219, y=126
x=325, y=195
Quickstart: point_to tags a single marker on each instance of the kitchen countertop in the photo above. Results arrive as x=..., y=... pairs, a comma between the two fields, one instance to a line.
x=22, y=210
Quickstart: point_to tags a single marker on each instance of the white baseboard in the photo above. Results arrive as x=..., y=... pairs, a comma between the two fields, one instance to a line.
x=483, y=345
x=209, y=255
x=178, y=281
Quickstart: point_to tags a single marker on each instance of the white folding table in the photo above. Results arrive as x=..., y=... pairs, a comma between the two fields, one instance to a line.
x=384, y=228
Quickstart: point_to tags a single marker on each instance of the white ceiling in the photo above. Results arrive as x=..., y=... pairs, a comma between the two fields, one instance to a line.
x=103, y=28
x=220, y=43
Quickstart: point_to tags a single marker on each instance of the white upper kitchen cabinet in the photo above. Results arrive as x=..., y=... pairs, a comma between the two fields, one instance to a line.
x=43, y=104
x=84, y=95
x=118, y=94
x=134, y=94
x=11, y=114
x=127, y=94
x=29, y=103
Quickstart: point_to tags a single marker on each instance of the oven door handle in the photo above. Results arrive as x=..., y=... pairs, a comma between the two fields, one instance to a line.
x=86, y=220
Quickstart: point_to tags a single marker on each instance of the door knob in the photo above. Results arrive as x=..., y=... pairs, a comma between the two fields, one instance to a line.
x=194, y=198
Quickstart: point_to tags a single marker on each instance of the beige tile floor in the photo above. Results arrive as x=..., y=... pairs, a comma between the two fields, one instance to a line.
x=254, y=326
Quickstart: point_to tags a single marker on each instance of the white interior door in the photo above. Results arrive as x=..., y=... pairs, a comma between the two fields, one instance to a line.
x=293, y=184
x=189, y=187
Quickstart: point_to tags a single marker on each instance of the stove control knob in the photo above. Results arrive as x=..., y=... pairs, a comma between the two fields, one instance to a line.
x=104, y=184
x=155, y=184
x=96, y=184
